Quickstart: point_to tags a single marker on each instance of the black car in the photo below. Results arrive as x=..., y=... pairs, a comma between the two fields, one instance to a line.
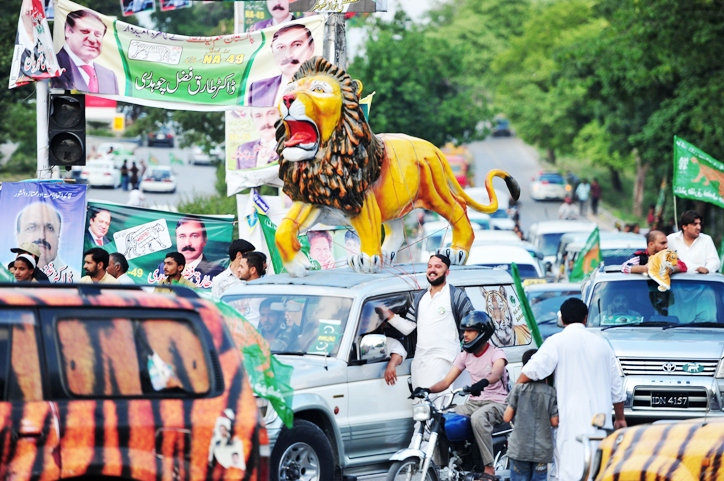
x=161, y=136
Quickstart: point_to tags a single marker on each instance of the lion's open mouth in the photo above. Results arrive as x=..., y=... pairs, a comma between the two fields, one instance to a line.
x=302, y=134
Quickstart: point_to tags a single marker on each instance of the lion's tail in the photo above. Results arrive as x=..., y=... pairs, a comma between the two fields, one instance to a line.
x=512, y=184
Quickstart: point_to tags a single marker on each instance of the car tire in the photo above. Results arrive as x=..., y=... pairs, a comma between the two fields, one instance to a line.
x=302, y=453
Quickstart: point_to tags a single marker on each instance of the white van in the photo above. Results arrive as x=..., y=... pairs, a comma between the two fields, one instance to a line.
x=545, y=235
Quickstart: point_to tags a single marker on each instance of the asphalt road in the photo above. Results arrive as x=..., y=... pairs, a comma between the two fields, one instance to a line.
x=190, y=179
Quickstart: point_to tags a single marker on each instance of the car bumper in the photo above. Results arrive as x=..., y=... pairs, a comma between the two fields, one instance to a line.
x=703, y=394
x=103, y=182
x=158, y=186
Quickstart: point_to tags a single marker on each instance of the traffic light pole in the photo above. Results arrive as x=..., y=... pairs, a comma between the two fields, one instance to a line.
x=41, y=116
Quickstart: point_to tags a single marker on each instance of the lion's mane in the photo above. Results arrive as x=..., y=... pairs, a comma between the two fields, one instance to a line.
x=347, y=164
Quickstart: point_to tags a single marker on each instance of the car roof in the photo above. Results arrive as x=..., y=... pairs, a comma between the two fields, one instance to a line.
x=554, y=287
x=557, y=226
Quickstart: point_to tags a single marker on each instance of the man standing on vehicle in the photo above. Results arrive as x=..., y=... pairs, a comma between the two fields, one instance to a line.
x=693, y=247
x=436, y=313
x=656, y=242
x=587, y=382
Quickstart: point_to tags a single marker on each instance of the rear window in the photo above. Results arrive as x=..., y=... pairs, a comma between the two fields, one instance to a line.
x=548, y=243
x=552, y=178
x=123, y=357
x=159, y=174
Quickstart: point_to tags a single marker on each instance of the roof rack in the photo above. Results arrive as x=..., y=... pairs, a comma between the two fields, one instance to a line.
x=88, y=290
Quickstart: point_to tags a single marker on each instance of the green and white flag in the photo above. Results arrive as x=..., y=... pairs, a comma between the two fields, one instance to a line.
x=697, y=175
x=588, y=259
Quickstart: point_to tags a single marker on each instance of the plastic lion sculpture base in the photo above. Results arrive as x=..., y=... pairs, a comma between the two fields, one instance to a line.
x=338, y=172
x=660, y=266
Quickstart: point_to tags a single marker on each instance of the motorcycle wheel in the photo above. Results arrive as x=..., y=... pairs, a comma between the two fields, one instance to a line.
x=409, y=470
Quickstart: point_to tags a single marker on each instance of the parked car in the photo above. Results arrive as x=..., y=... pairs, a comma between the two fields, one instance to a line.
x=546, y=235
x=101, y=173
x=545, y=300
x=114, y=383
x=218, y=153
x=548, y=186
x=197, y=156
x=161, y=136
x=346, y=418
x=669, y=344
x=160, y=178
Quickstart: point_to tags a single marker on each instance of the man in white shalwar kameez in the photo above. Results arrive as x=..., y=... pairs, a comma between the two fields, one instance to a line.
x=587, y=382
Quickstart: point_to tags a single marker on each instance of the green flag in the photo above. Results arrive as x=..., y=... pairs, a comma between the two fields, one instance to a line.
x=175, y=160
x=5, y=275
x=525, y=306
x=269, y=229
x=588, y=259
x=697, y=175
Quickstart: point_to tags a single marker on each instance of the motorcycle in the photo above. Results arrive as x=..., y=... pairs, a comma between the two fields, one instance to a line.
x=452, y=435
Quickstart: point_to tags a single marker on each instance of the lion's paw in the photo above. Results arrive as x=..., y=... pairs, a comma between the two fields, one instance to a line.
x=389, y=257
x=365, y=264
x=457, y=256
x=298, y=266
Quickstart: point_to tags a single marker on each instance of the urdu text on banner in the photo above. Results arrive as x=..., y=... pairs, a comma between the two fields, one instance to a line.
x=138, y=65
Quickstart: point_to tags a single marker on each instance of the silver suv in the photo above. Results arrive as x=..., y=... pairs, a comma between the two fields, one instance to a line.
x=669, y=344
x=346, y=418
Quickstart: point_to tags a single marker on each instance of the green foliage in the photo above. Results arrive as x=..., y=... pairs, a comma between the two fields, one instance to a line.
x=202, y=19
x=208, y=205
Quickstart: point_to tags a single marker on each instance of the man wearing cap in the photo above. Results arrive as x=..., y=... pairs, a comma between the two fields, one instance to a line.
x=34, y=251
x=436, y=314
x=230, y=277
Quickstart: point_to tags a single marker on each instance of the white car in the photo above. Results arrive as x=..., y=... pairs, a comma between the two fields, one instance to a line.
x=197, y=156
x=159, y=178
x=548, y=186
x=545, y=235
x=502, y=256
x=101, y=173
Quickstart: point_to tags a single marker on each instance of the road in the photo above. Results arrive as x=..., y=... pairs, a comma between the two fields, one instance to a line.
x=190, y=179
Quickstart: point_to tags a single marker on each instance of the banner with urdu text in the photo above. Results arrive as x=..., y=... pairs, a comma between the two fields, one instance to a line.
x=99, y=54
x=697, y=175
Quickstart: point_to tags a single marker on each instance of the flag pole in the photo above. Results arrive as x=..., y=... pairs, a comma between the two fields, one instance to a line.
x=676, y=215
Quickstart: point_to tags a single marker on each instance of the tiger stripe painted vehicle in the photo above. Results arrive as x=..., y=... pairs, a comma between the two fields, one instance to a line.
x=116, y=382
x=681, y=450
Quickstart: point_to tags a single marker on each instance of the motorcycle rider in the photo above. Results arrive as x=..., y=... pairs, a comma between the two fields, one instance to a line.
x=485, y=363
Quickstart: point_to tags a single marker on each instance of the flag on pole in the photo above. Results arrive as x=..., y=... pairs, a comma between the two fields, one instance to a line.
x=175, y=160
x=697, y=175
x=152, y=159
x=588, y=259
x=525, y=306
x=269, y=229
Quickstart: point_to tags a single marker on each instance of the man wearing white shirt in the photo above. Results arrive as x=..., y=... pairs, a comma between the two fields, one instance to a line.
x=587, y=382
x=695, y=249
x=230, y=277
x=118, y=268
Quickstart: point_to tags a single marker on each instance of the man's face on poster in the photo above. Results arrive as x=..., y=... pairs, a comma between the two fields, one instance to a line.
x=100, y=223
x=320, y=250
x=278, y=9
x=290, y=49
x=190, y=240
x=85, y=38
x=39, y=223
x=264, y=120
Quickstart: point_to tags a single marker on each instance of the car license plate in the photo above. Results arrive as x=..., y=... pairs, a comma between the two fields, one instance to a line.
x=667, y=400
x=159, y=136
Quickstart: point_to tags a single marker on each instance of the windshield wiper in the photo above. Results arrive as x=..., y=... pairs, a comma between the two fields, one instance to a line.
x=637, y=324
x=289, y=353
x=697, y=324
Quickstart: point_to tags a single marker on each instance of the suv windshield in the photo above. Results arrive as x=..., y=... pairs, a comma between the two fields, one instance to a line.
x=296, y=324
x=639, y=301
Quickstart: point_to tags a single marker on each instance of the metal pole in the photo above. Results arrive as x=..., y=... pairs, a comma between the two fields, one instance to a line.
x=340, y=42
x=41, y=117
x=330, y=32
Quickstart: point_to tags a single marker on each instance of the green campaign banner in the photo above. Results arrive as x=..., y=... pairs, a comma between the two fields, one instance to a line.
x=145, y=236
x=102, y=55
x=588, y=259
x=697, y=175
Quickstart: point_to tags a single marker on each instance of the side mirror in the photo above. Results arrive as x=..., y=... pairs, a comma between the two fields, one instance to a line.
x=372, y=348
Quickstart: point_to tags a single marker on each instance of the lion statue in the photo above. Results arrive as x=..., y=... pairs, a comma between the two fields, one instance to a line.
x=337, y=172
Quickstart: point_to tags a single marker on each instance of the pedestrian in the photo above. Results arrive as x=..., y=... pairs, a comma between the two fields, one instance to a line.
x=485, y=363
x=11, y=267
x=587, y=383
x=118, y=268
x=124, y=175
x=173, y=268
x=636, y=228
x=32, y=249
x=24, y=267
x=533, y=410
x=595, y=195
x=230, y=277
x=142, y=169
x=436, y=313
x=136, y=198
x=95, y=263
x=568, y=210
x=694, y=248
x=583, y=191
x=518, y=232
x=651, y=216
x=134, y=175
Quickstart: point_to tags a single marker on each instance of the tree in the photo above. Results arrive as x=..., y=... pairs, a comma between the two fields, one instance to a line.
x=418, y=84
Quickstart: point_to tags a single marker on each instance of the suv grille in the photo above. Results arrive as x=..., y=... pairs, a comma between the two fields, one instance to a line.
x=696, y=398
x=672, y=367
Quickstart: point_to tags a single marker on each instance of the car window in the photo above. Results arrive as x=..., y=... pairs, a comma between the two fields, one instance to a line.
x=616, y=256
x=548, y=243
x=552, y=178
x=18, y=338
x=371, y=322
x=639, y=300
x=503, y=306
x=298, y=324
x=126, y=357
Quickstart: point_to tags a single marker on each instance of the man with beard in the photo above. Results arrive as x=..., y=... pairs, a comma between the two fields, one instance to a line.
x=262, y=151
x=190, y=241
x=95, y=263
x=40, y=224
x=436, y=313
x=98, y=224
x=279, y=10
x=291, y=45
x=173, y=268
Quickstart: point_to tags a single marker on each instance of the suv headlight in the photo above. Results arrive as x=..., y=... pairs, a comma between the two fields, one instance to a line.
x=720, y=371
x=421, y=412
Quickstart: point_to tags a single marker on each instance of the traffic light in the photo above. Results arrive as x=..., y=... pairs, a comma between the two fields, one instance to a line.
x=66, y=129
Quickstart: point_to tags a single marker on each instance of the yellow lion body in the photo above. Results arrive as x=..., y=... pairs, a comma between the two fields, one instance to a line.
x=345, y=175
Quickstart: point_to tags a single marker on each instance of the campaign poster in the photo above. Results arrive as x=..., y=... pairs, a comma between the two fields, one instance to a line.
x=161, y=69
x=132, y=7
x=45, y=214
x=145, y=236
x=33, y=55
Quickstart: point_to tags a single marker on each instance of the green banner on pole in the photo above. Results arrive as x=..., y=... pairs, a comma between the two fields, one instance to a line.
x=525, y=305
x=588, y=259
x=697, y=175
